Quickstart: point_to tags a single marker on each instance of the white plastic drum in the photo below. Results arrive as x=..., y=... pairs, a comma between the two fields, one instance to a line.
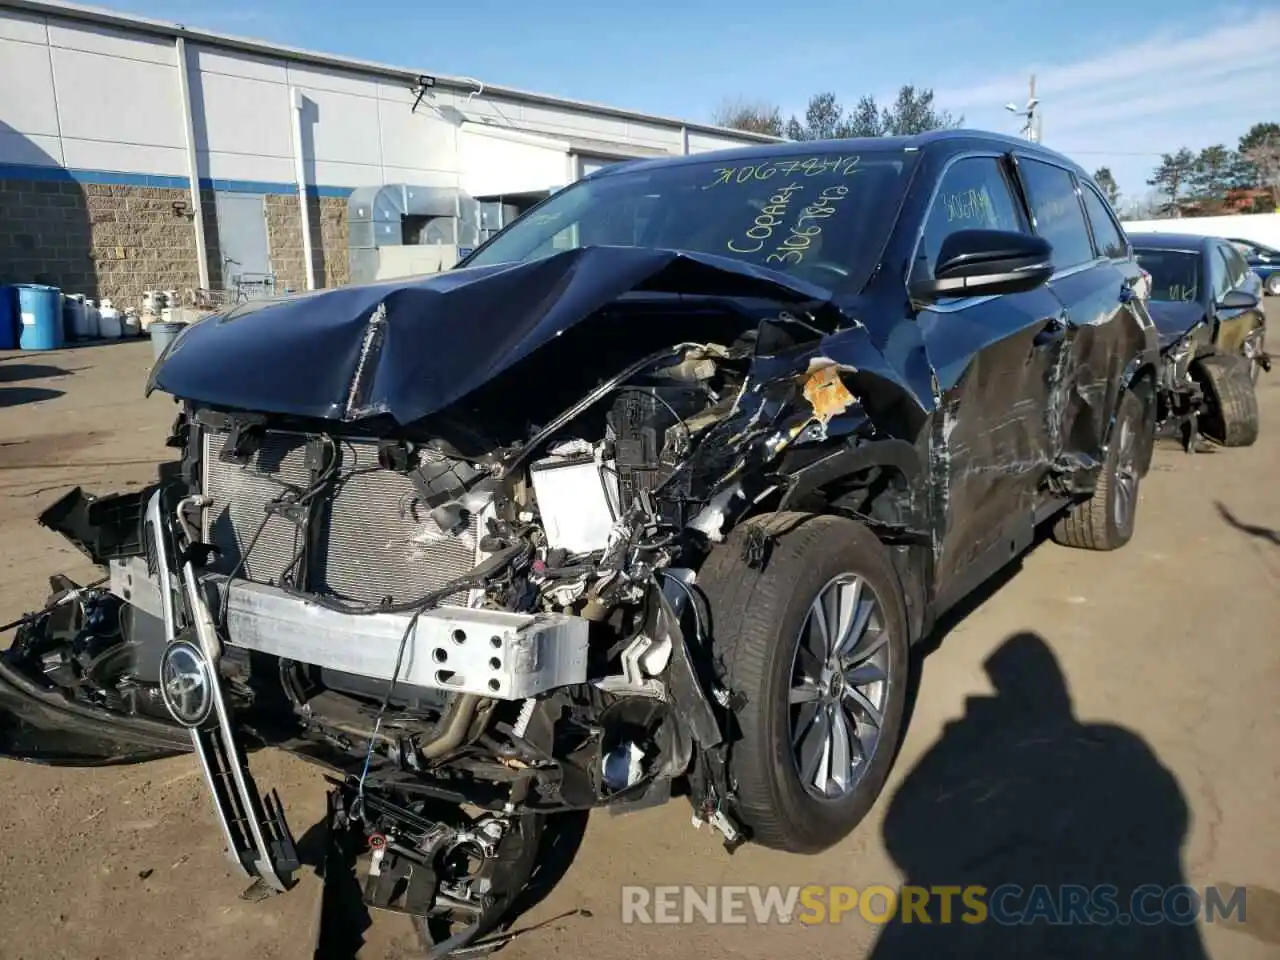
x=110, y=324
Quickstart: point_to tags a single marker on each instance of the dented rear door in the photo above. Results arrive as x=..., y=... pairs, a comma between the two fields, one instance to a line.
x=1094, y=279
x=995, y=360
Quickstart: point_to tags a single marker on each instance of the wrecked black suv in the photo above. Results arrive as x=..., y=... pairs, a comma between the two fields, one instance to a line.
x=655, y=489
x=1207, y=308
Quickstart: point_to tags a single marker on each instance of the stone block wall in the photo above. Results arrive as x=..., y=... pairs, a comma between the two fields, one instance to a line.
x=332, y=240
x=328, y=217
x=102, y=240
x=117, y=241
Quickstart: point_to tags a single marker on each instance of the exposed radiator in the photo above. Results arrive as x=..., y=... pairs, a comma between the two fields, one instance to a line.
x=375, y=540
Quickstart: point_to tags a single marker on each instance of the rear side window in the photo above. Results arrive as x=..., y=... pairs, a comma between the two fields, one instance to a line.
x=974, y=194
x=1059, y=217
x=1106, y=232
x=1237, y=268
x=1219, y=272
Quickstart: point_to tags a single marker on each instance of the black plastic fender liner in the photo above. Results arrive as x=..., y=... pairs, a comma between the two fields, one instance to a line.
x=42, y=726
x=848, y=459
x=688, y=697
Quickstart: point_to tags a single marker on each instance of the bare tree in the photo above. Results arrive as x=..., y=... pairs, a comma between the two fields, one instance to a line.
x=752, y=116
x=1260, y=148
x=1148, y=207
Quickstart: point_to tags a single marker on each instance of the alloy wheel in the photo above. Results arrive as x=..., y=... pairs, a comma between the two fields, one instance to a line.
x=839, y=687
x=1126, y=479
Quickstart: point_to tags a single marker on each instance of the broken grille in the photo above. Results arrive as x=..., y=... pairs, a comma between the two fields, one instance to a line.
x=375, y=540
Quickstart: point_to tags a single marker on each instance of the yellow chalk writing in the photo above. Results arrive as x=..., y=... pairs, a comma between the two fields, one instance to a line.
x=808, y=226
x=769, y=219
x=841, y=166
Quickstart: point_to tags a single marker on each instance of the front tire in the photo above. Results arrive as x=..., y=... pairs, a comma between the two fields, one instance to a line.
x=1231, y=417
x=1106, y=520
x=1273, y=285
x=812, y=643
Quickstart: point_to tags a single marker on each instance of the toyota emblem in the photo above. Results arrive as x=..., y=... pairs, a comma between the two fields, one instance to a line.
x=186, y=683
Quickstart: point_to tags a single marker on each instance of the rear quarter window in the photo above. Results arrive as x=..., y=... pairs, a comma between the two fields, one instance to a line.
x=1107, y=234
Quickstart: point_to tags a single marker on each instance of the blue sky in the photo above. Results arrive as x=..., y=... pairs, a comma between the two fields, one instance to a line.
x=1119, y=83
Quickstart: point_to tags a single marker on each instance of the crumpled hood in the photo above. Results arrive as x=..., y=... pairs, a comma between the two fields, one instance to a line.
x=410, y=348
x=1173, y=319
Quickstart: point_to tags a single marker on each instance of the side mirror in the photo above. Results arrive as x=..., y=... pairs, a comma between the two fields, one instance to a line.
x=1237, y=300
x=976, y=263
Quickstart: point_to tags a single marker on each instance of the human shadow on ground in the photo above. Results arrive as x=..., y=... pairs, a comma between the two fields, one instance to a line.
x=1055, y=818
x=344, y=917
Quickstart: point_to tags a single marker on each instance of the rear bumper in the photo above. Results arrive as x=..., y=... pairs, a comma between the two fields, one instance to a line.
x=42, y=726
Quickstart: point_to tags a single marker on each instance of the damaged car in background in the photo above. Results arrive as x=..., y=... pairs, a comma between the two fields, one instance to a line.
x=654, y=491
x=1207, y=308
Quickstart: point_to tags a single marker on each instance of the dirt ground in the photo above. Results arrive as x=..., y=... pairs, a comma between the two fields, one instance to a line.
x=1147, y=739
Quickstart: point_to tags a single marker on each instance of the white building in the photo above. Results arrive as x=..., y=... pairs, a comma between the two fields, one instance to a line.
x=137, y=155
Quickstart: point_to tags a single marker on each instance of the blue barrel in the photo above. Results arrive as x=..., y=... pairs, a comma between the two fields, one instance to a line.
x=9, y=321
x=41, y=309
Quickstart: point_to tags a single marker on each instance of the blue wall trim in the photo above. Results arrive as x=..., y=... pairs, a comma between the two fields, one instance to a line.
x=17, y=171
x=268, y=186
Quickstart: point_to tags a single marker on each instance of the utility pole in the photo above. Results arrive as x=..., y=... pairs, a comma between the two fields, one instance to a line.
x=1030, y=113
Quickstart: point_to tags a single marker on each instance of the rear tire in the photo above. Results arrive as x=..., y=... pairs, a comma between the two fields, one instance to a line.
x=790, y=711
x=1106, y=520
x=1273, y=285
x=1146, y=391
x=1231, y=416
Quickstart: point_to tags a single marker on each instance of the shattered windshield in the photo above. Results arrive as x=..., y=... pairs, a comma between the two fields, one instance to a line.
x=1175, y=274
x=821, y=217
